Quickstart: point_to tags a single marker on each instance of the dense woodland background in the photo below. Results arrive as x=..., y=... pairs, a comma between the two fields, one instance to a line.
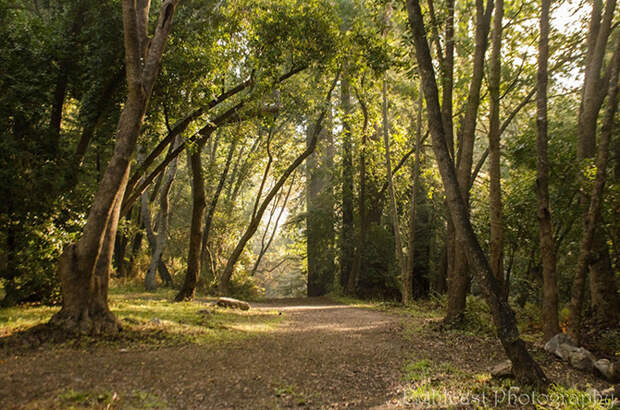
x=290, y=148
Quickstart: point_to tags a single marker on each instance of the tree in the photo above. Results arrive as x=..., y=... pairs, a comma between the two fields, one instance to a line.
x=524, y=367
x=547, y=247
x=84, y=266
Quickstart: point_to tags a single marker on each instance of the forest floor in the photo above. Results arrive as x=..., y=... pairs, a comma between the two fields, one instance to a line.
x=316, y=353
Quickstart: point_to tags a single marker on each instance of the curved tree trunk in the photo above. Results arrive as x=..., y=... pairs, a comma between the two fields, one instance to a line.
x=224, y=287
x=84, y=266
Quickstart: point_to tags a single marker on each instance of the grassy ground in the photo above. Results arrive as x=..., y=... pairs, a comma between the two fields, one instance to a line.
x=448, y=368
x=153, y=319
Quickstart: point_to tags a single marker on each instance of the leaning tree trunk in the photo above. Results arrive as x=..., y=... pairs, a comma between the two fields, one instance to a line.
x=524, y=367
x=204, y=254
x=83, y=266
x=224, y=287
x=547, y=250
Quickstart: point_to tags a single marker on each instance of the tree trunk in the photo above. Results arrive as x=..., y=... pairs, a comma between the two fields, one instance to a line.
x=194, y=161
x=415, y=177
x=188, y=291
x=496, y=243
x=547, y=251
x=211, y=212
x=356, y=268
x=592, y=216
x=524, y=367
x=157, y=264
x=347, y=281
x=406, y=286
x=458, y=280
x=83, y=267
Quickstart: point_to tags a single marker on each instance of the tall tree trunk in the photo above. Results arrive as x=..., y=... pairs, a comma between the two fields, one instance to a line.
x=415, y=178
x=547, y=251
x=83, y=267
x=356, y=268
x=458, y=280
x=496, y=245
x=320, y=218
x=524, y=367
x=188, y=291
x=593, y=93
x=347, y=281
x=592, y=216
x=406, y=286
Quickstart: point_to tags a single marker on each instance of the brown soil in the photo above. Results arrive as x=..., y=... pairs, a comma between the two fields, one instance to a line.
x=322, y=355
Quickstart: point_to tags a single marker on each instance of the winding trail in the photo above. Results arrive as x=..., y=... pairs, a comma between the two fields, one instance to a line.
x=322, y=355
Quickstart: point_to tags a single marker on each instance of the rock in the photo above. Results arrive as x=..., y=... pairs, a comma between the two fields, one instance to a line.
x=582, y=359
x=155, y=321
x=502, y=370
x=565, y=350
x=233, y=303
x=604, y=368
x=554, y=343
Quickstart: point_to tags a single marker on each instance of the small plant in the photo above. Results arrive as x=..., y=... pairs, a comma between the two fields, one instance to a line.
x=416, y=371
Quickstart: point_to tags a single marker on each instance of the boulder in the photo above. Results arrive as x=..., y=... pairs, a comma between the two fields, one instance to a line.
x=582, y=359
x=604, y=368
x=565, y=350
x=554, y=343
x=502, y=370
x=232, y=303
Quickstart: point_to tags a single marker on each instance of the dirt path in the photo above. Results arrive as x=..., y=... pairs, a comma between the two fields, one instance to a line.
x=323, y=354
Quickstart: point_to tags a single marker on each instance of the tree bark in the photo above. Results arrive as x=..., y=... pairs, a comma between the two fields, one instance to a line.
x=458, y=280
x=188, y=291
x=415, y=177
x=525, y=369
x=212, y=208
x=157, y=264
x=347, y=280
x=406, y=286
x=356, y=268
x=82, y=264
x=547, y=251
x=592, y=216
x=496, y=243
